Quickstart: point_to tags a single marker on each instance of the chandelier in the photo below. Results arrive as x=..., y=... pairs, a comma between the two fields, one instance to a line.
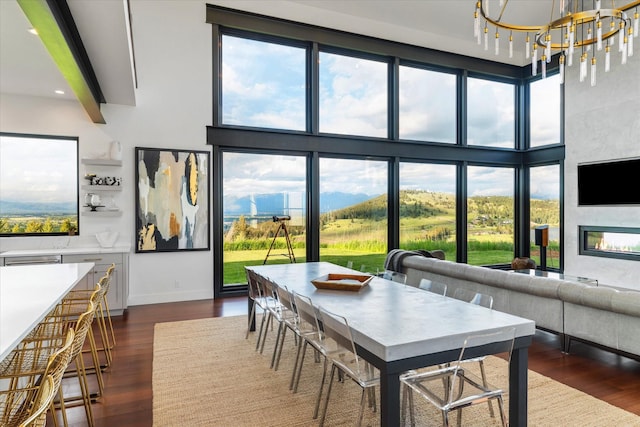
x=583, y=28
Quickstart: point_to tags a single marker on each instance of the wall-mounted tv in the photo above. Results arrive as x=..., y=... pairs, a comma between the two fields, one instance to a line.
x=609, y=183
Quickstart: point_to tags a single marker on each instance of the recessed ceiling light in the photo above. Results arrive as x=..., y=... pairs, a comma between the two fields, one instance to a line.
x=59, y=92
x=33, y=31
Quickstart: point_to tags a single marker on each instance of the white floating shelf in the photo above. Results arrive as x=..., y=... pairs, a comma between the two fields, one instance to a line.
x=102, y=187
x=102, y=213
x=101, y=162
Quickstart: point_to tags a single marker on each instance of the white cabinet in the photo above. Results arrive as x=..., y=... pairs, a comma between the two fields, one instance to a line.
x=105, y=185
x=119, y=289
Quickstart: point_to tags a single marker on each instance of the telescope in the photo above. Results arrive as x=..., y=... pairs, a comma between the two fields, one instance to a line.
x=277, y=218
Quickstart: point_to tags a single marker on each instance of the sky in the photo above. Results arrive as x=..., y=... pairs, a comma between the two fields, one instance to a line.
x=38, y=169
x=264, y=85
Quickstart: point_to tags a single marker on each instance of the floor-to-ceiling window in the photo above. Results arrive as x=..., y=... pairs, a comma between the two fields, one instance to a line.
x=490, y=215
x=431, y=148
x=263, y=194
x=544, y=207
x=545, y=180
x=428, y=207
x=353, y=212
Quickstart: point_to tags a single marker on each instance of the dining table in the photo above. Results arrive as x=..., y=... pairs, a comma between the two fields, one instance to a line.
x=398, y=327
x=28, y=293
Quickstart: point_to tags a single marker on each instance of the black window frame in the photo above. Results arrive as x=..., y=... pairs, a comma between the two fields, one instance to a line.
x=314, y=145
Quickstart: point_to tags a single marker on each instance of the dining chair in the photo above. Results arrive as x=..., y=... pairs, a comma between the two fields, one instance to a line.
x=309, y=318
x=276, y=312
x=431, y=286
x=395, y=276
x=452, y=387
x=289, y=321
x=473, y=297
x=258, y=301
x=362, y=266
x=482, y=300
x=344, y=357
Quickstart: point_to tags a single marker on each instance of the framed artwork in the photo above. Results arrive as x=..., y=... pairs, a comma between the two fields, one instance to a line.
x=172, y=200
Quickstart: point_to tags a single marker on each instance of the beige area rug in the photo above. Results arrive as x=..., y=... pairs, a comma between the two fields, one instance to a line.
x=206, y=374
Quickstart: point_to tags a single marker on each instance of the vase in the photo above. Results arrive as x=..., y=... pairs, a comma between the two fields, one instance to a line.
x=115, y=151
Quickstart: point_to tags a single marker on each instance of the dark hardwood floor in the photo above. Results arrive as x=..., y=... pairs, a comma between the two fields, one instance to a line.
x=127, y=399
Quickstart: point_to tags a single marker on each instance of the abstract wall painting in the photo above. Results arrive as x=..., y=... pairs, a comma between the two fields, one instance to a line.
x=172, y=200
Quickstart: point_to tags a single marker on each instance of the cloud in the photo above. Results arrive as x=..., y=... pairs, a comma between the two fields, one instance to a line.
x=263, y=84
x=545, y=111
x=38, y=169
x=490, y=181
x=428, y=177
x=427, y=105
x=490, y=113
x=353, y=96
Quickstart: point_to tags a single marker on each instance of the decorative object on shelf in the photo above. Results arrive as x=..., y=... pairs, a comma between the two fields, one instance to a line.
x=93, y=201
x=103, y=180
x=107, y=239
x=115, y=150
x=172, y=200
x=572, y=29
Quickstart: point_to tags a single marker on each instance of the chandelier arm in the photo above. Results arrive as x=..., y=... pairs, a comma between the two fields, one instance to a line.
x=584, y=17
x=630, y=5
x=507, y=26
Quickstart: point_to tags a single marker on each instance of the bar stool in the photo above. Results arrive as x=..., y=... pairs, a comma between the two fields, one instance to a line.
x=39, y=355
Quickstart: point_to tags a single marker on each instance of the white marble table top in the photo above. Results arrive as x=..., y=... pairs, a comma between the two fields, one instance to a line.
x=394, y=321
x=28, y=293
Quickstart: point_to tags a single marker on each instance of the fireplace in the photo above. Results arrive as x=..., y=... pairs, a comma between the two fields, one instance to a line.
x=610, y=242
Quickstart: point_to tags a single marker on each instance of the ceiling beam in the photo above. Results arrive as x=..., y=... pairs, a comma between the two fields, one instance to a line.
x=54, y=24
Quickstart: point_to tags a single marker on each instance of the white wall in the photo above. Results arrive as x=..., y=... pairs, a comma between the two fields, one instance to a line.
x=174, y=106
x=601, y=123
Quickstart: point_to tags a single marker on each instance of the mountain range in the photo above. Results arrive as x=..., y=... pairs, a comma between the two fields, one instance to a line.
x=279, y=203
x=9, y=208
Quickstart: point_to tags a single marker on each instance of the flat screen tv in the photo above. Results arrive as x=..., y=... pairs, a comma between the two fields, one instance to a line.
x=610, y=183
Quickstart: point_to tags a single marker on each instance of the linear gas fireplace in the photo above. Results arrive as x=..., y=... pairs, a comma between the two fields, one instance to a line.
x=610, y=242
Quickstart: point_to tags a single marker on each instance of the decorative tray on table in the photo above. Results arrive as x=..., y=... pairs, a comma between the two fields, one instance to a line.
x=342, y=282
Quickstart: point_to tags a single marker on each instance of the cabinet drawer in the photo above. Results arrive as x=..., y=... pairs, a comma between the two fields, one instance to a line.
x=98, y=259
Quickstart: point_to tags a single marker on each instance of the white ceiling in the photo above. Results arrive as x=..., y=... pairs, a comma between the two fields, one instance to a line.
x=27, y=68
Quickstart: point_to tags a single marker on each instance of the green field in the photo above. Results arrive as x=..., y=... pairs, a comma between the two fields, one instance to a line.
x=358, y=233
x=47, y=224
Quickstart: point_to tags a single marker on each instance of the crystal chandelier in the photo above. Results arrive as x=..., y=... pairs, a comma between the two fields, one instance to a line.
x=582, y=28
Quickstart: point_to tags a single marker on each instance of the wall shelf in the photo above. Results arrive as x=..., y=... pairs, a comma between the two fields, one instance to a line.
x=102, y=213
x=102, y=188
x=101, y=162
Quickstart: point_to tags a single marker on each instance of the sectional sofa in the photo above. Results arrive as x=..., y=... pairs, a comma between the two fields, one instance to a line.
x=600, y=315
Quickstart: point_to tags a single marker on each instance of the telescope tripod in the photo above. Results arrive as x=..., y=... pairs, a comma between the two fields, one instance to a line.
x=289, y=254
